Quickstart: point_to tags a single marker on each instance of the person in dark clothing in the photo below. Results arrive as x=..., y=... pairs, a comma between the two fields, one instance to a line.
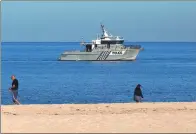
x=14, y=90
x=138, y=94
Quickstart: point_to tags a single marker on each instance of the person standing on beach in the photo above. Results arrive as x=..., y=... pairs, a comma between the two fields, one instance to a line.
x=138, y=94
x=14, y=90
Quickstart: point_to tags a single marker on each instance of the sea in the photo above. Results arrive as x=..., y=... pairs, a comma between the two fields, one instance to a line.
x=166, y=71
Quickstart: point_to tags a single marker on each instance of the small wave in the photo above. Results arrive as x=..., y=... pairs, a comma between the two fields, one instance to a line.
x=47, y=60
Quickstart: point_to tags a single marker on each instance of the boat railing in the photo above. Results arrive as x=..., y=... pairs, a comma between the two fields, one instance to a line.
x=72, y=51
x=134, y=46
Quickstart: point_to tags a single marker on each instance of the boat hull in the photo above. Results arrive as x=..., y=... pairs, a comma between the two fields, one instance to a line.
x=107, y=55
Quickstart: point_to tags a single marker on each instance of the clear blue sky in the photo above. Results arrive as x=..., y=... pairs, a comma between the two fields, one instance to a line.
x=70, y=21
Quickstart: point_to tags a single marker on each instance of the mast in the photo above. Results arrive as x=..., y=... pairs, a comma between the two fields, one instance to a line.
x=105, y=33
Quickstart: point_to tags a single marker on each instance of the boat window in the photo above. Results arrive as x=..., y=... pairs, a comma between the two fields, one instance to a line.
x=112, y=42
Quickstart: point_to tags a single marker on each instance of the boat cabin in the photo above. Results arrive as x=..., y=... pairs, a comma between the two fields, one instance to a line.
x=106, y=41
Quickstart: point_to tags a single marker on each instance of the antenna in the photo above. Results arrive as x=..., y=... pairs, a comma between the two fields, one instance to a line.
x=82, y=42
x=100, y=23
x=102, y=27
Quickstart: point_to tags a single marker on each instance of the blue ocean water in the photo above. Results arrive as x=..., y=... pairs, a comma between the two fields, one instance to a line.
x=167, y=72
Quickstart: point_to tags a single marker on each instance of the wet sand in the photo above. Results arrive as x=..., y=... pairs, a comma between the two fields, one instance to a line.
x=99, y=118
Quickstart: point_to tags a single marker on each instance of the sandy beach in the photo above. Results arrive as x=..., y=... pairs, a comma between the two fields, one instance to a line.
x=91, y=118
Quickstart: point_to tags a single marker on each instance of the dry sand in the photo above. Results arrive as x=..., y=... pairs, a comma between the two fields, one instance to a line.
x=91, y=118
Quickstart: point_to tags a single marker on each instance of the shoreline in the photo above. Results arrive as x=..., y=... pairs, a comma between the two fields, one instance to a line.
x=95, y=118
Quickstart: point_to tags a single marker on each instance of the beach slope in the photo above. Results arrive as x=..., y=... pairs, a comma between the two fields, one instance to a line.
x=91, y=118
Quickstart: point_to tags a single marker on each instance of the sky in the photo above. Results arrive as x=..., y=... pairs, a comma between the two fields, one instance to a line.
x=71, y=21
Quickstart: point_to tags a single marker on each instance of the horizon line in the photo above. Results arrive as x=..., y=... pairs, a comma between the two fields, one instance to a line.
x=98, y=0
x=79, y=41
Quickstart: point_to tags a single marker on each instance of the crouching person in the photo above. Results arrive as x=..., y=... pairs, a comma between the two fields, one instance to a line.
x=138, y=94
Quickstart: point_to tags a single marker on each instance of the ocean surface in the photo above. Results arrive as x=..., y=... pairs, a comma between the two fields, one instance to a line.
x=167, y=72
